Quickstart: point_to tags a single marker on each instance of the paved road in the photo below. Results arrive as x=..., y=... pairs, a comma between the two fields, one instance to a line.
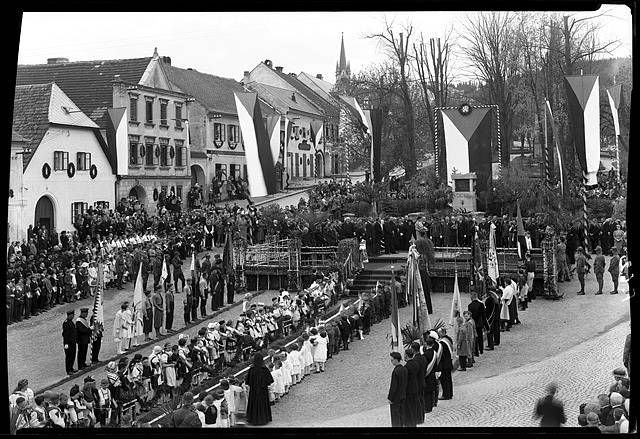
x=576, y=341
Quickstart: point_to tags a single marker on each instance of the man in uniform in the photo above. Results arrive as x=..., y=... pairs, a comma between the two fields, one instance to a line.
x=69, y=340
x=158, y=310
x=478, y=314
x=614, y=269
x=582, y=268
x=83, y=329
x=430, y=354
x=598, y=269
x=147, y=316
x=492, y=321
x=169, y=307
x=422, y=373
x=120, y=269
x=97, y=329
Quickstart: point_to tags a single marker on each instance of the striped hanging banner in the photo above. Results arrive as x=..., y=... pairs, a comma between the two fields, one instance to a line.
x=97, y=314
x=395, y=319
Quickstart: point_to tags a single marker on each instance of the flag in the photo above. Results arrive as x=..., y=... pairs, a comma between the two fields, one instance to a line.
x=492, y=256
x=193, y=263
x=522, y=242
x=456, y=302
x=171, y=283
x=555, y=141
x=227, y=254
x=316, y=131
x=467, y=139
x=421, y=318
x=260, y=165
x=615, y=94
x=395, y=320
x=97, y=315
x=138, y=297
x=164, y=274
x=583, y=99
x=273, y=131
x=355, y=109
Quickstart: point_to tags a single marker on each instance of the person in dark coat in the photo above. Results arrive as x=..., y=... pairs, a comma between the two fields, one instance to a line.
x=477, y=310
x=429, y=353
x=69, y=339
x=258, y=380
x=397, y=390
x=84, y=331
x=445, y=365
x=389, y=230
x=492, y=313
x=378, y=237
x=411, y=403
x=550, y=410
x=345, y=331
x=186, y=416
x=231, y=287
x=422, y=372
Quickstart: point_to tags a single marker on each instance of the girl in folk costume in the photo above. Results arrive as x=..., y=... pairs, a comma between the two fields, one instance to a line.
x=470, y=327
x=364, y=258
x=93, y=277
x=222, y=407
x=168, y=369
x=320, y=353
x=106, y=272
x=22, y=390
x=105, y=403
x=246, y=302
x=121, y=329
x=155, y=361
x=229, y=340
x=286, y=372
x=278, y=379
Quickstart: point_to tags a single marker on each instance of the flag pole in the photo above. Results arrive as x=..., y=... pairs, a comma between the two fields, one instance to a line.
x=547, y=167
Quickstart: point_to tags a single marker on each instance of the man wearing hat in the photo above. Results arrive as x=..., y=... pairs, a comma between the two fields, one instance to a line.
x=598, y=269
x=69, y=340
x=582, y=268
x=158, y=310
x=186, y=415
x=84, y=337
x=614, y=269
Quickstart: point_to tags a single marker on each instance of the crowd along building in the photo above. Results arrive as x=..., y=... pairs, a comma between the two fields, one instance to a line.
x=141, y=116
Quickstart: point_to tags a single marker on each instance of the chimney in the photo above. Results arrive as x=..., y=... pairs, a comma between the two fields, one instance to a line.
x=57, y=60
x=293, y=96
x=292, y=74
x=268, y=63
x=319, y=76
x=189, y=68
x=166, y=60
x=279, y=69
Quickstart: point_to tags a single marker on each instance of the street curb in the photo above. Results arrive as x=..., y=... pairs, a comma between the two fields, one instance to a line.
x=144, y=345
x=284, y=195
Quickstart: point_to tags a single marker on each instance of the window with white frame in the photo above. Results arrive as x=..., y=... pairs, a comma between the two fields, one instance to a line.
x=83, y=161
x=233, y=133
x=148, y=109
x=149, y=152
x=60, y=160
x=181, y=153
x=178, y=115
x=133, y=108
x=218, y=132
x=78, y=209
x=163, y=111
x=164, y=152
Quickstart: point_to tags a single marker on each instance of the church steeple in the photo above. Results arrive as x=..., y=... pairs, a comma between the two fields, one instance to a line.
x=343, y=68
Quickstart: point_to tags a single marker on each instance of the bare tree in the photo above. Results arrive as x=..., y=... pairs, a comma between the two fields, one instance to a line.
x=488, y=43
x=432, y=66
x=397, y=46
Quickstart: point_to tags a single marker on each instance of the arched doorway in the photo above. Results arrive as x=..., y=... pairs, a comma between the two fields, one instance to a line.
x=44, y=214
x=319, y=164
x=197, y=175
x=138, y=193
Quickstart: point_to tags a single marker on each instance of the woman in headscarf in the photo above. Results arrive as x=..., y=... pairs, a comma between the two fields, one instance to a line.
x=258, y=380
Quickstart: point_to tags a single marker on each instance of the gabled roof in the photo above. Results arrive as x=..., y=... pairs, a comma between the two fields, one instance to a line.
x=213, y=92
x=320, y=86
x=281, y=99
x=326, y=107
x=31, y=115
x=87, y=83
x=37, y=106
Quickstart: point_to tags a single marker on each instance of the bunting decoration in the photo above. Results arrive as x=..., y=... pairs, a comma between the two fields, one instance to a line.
x=395, y=319
x=467, y=138
x=260, y=165
x=584, y=114
x=555, y=135
x=492, y=256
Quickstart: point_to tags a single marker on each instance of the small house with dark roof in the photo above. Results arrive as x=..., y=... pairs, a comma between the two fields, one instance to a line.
x=61, y=165
x=217, y=147
x=140, y=115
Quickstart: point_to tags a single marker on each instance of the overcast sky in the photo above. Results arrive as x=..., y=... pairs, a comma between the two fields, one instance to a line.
x=226, y=44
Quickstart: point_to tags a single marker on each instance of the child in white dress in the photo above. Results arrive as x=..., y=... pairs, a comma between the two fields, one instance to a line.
x=296, y=365
x=320, y=354
x=286, y=372
x=278, y=379
x=308, y=356
x=272, y=387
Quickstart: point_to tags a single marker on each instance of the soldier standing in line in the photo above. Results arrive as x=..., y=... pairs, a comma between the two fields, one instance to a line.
x=169, y=307
x=11, y=288
x=83, y=331
x=69, y=340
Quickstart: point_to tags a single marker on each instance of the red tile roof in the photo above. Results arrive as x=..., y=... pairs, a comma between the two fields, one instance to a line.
x=87, y=83
x=213, y=92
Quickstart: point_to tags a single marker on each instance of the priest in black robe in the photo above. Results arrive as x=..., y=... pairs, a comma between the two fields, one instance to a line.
x=258, y=380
